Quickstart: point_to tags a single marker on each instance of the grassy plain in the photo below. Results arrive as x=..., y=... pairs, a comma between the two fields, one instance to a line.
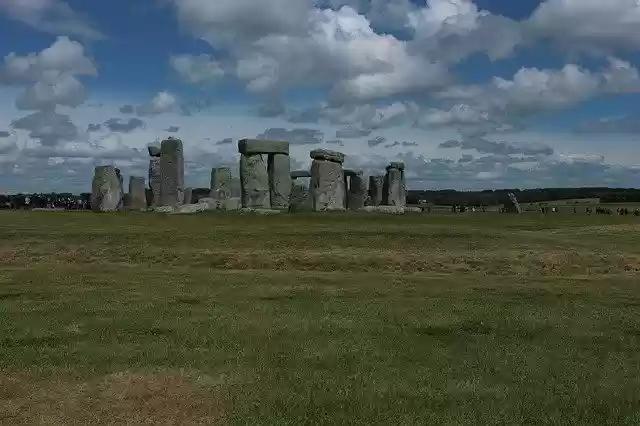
x=325, y=319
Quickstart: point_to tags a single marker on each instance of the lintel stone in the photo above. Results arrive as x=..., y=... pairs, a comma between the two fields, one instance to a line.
x=300, y=174
x=327, y=155
x=154, y=149
x=259, y=146
x=396, y=165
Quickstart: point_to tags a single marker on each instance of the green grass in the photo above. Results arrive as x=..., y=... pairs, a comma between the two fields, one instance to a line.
x=319, y=319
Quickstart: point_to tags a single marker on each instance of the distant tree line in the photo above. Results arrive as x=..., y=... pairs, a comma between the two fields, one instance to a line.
x=447, y=197
x=450, y=197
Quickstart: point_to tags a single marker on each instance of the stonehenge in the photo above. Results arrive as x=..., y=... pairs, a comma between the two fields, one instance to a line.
x=264, y=184
x=106, y=192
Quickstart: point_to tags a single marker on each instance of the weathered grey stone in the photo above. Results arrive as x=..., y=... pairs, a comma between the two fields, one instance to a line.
x=121, y=182
x=106, y=195
x=383, y=209
x=259, y=211
x=172, y=172
x=190, y=208
x=155, y=181
x=258, y=146
x=137, y=194
x=392, y=192
x=188, y=195
x=357, y=193
x=396, y=165
x=376, y=185
x=164, y=209
x=327, y=155
x=279, y=170
x=229, y=204
x=154, y=149
x=236, y=188
x=512, y=205
x=327, y=185
x=413, y=210
x=254, y=182
x=297, y=174
x=300, y=198
x=220, y=183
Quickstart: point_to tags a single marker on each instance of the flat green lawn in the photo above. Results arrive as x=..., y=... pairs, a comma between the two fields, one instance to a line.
x=325, y=319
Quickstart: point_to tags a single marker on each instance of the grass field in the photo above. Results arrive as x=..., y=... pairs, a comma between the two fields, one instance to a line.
x=327, y=319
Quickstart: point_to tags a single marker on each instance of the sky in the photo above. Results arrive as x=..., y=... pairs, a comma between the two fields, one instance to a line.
x=482, y=94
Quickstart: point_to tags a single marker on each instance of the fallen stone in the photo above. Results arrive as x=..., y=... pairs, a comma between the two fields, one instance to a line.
x=163, y=209
x=154, y=149
x=327, y=155
x=190, y=208
x=327, y=186
x=255, y=182
x=229, y=204
x=259, y=211
x=413, y=210
x=279, y=171
x=106, y=195
x=259, y=146
x=383, y=209
x=137, y=198
x=172, y=172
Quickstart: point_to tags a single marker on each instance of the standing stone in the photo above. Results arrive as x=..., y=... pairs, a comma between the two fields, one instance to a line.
x=188, y=196
x=254, y=182
x=105, y=190
x=393, y=189
x=376, y=185
x=300, y=197
x=512, y=205
x=172, y=172
x=155, y=149
x=155, y=181
x=279, y=170
x=357, y=192
x=327, y=180
x=137, y=199
x=220, y=183
x=236, y=191
x=121, y=182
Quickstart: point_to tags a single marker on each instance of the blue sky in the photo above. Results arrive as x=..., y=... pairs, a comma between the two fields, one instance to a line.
x=469, y=94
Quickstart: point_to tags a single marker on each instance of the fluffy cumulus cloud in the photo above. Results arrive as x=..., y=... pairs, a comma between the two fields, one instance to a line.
x=50, y=16
x=383, y=79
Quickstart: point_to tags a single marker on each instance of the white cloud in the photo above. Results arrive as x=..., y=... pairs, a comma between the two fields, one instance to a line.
x=50, y=16
x=589, y=25
x=161, y=103
x=197, y=69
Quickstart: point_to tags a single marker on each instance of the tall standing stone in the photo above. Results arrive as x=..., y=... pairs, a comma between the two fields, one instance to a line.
x=357, y=193
x=376, y=186
x=279, y=170
x=121, y=182
x=155, y=181
x=188, y=195
x=137, y=193
x=512, y=205
x=327, y=180
x=254, y=182
x=220, y=183
x=105, y=190
x=393, y=193
x=172, y=173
